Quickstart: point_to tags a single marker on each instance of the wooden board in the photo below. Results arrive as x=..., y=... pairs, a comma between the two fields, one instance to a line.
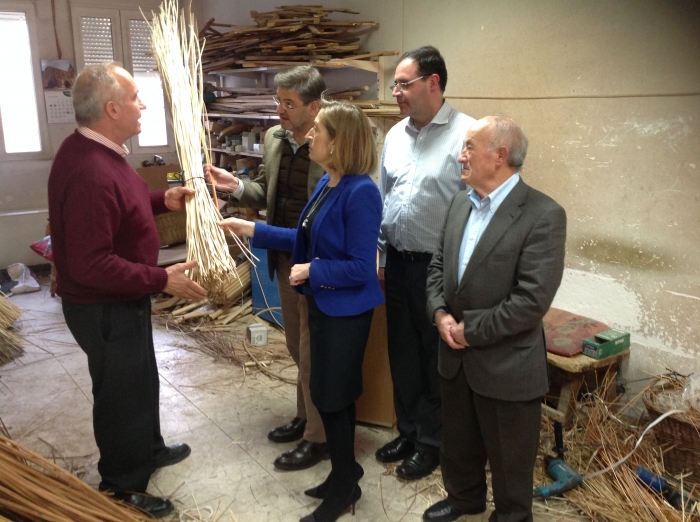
x=376, y=405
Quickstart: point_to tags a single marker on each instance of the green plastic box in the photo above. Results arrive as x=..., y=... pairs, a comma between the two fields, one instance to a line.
x=607, y=343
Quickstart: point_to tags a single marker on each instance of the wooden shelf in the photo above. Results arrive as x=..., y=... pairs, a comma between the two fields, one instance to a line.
x=244, y=116
x=349, y=63
x=236, y=153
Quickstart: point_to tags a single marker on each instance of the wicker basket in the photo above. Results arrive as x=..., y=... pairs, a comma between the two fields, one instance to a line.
x=172, y=228
x=680, y=432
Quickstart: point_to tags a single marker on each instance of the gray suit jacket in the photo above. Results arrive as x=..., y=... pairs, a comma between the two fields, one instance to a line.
x=506, y=289
x=262, y=192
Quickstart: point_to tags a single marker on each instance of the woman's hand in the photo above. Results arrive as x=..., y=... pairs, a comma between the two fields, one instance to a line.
x=300, y=273
x=238, y=226
x=225, y=181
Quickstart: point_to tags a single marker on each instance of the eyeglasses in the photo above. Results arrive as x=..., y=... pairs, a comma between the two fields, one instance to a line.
x=286, y=105
x=401, y=86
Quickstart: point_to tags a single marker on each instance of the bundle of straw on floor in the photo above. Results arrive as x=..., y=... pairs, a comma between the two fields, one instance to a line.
x=10, y=342
x=599, y=438
x=34, y=489
x=178, y=55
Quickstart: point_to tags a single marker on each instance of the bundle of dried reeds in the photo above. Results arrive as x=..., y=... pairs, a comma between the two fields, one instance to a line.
x=178, y=55
x=34, y=489
x=10, y=342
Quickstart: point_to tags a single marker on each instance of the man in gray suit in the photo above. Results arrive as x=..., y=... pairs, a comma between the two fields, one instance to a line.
x=286, y=179
x=499, y=264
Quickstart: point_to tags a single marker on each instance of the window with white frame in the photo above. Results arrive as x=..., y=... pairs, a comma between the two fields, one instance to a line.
x=108, y=35
x=21, y=108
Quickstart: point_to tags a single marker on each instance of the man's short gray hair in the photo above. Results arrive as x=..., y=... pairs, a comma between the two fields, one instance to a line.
x=93, y=88
x=304, y=80
x=505, y=132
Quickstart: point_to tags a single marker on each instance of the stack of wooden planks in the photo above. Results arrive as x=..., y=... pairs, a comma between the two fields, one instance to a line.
x=290, y=35
x=244, y=100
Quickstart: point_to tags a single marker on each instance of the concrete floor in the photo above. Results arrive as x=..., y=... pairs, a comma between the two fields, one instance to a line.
x=222, y=413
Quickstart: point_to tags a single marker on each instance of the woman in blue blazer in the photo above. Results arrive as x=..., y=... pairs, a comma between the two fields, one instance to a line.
x=334, y=251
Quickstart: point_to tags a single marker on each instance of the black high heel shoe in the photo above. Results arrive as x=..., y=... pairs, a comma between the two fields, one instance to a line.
x=333, y=513
x=321, y=490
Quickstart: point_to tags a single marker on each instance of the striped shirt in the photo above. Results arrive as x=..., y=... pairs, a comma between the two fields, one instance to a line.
x=122, y=150
x=418, y=176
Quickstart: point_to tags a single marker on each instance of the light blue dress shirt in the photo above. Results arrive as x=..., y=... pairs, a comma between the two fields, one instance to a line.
x=480, y=217
x=418, y=176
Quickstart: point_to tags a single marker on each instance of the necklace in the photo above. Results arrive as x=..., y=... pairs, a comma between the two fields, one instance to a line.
x=315, y=205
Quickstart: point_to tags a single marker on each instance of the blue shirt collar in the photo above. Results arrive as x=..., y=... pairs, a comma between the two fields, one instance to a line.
x=494, y=200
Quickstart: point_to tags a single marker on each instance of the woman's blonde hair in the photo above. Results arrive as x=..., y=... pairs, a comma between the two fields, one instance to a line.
x=355, y=150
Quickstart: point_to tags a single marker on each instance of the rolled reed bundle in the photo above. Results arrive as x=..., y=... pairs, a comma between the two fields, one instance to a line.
x=32, y=488
x=178, y=55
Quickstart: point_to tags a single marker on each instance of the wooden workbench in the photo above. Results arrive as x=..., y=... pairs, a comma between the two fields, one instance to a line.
x=569, y=374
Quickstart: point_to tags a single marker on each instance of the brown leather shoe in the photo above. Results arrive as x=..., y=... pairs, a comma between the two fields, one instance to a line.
x=289, y=432
x=304, y=455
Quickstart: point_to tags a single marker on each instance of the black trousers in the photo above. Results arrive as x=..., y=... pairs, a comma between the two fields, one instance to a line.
x=477, y=429
x=337, y=352
x=118, y=340
x=413, y=349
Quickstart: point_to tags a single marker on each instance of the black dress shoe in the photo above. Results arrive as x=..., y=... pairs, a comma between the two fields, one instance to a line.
x=420, y=464
x=304, y=455
x=154, y=507
x=396, y=450
x=443, y=511
x=172, y=455
x=289, y=432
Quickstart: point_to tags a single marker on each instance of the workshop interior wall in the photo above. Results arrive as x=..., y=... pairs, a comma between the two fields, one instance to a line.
x=608, y=94
x=23, y=194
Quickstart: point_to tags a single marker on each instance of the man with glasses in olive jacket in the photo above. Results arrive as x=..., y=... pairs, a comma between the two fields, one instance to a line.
x=286, y=180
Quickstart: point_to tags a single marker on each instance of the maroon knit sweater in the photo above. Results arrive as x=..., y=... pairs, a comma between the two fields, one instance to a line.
x=104, y=238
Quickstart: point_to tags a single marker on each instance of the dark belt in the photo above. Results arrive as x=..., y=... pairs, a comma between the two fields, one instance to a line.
x=407, y=255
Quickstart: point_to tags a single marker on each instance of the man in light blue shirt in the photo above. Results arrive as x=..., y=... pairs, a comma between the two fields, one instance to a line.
x=419, y=174
x=480, y=217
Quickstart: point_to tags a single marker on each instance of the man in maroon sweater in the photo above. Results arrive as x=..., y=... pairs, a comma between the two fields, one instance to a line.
x=106, y=251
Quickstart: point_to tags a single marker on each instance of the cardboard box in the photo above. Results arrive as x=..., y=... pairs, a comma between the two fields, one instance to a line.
x=256, y=334
x=607, y=343
x=157, y=177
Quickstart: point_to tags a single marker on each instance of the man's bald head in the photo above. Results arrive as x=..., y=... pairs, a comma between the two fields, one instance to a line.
x=94, y=87
x=504, y=132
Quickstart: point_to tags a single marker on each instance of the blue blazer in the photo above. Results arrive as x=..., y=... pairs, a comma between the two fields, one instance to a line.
x=343, y=273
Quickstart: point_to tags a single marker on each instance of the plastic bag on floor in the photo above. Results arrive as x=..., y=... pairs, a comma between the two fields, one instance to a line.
x=25, y=281
x=691, y=393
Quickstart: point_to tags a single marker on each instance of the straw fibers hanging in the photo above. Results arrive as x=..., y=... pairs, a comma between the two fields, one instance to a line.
x=10, y=342
x=178, y=55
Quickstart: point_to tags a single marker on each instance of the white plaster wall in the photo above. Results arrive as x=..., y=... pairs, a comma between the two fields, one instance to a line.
x=23, y=196
x=609, y=95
